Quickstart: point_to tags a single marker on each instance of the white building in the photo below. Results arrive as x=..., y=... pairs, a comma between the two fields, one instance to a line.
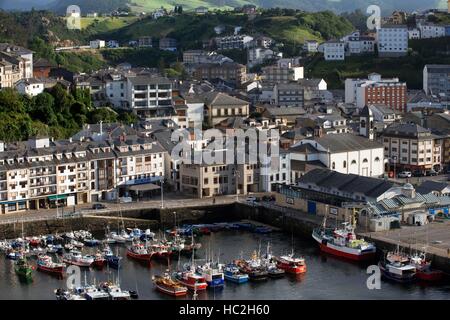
x=31, y=87
x=97, y=44
x=311, y=46
x=413, y=33
x=334, y=51
x=234, y=42
x=360, y=45
x=428, y=31
x=344, y=153
x=392, y=40
x=113, y=44
x=260, y=55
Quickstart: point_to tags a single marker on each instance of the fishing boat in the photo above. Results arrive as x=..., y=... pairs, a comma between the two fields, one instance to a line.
x=191, y=279
x=343, y=242
x=397, y=267
x=161, y=251
x=112, y=260
x=91, y=292
x=13, y=254
x=76, y=258
x=213, y=274
x=62, y=294
x=99, y=260
x=114, y=291
x=268, y=262
x=233, y=274
x=23, y=269
x=290, y=264
x=147, y=235
x=46, y=264
x=424, y=271
x=167, y=285
x=91, y=242
x=35, y=242
x=140, y=251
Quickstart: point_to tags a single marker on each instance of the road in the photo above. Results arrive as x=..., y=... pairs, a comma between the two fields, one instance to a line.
x=170, y=201
x=418, y=180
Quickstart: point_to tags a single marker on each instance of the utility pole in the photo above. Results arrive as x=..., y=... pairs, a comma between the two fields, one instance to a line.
x=162, y=194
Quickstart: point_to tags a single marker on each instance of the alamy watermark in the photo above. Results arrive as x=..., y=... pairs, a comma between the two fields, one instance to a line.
x=73, y=17
x=74, y=277
x=374, y=280
x=374, y=20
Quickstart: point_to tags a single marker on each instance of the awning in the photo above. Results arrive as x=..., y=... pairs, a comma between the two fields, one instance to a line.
x=144, y=187
x=57, y=197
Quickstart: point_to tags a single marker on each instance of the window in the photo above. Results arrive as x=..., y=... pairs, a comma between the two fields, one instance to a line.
x=344, y=164
x=365, y=161
x=377, y=159
x=333, y=166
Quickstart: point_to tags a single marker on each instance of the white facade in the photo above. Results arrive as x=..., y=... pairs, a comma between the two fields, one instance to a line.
x=428, y=31
x=97, y=44
x=30, y=87
x=116, y=90
x=334, y=51
x=392, y=41
x=234, y=42
x=367, y=162
x=113, y=44
x=414, y=33
x=311, y=46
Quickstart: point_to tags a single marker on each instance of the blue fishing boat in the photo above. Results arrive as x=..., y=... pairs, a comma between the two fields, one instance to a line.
x=213, y=275
x=112, y=260
x=91, y=242
x=233, y=274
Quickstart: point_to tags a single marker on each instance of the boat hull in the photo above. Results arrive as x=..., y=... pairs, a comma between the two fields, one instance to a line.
x=140, y=257
x=434, y=275
x=171, y=291
x=291, y=269
x=236, y=279
x=344, y=252
x=52, y=270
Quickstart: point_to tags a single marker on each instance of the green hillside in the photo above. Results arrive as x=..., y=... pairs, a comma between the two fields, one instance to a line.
x=190, y=29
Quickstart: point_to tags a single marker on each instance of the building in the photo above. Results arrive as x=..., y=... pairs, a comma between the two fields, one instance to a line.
x=408, y=146
x=284, y=71
x=201, y=10
x=220, y=106
x=392, y=40
x=428, y=31
x=30, y=87
x=113, y=44
x=397, y=17
x=436, y=80
x=376, y=90
x=402, y=204
x=311, y=46
x=345, y=153
x=40, y=173
x=413, y=33
x=9, y=74
x=260, y=55
x=42, y=68
x=97, y=44
x=231, y=72
x=313, y=89
x=146, y=94
x=233, y=42
x=288, y=95
x=325, y=192
x=360, y=45
x=19, y=56
x=168, y=44
x=437, y=188
x=145, y=42
x=334, y=51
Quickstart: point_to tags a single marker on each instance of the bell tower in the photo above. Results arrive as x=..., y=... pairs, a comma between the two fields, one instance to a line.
x=366, y=123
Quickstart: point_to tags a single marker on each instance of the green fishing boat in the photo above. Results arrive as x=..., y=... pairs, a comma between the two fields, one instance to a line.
x=23, y=269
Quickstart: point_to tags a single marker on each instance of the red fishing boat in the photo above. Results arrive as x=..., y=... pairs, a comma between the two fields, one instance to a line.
x=46, y=264
x=161, y=251
x=290, y=264
x=99, y=260
x=139, y=251
x=191, y=280
x=423, y=268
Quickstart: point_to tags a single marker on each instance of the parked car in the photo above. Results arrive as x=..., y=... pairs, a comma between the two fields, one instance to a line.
x=405, y=174
x=418, y=173
x=251, y=199
x=431, y=173
x=125, y=199
x=98, y=206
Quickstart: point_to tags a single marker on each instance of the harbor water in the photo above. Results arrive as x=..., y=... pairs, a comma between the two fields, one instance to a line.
x=326, y=277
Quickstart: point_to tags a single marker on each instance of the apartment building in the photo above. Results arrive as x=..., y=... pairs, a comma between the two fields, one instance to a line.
x=20, y=56
x=392, y=40
x=168, y=44
x=220, y=106
x=30, y=87
x=288, y=95
x=311, y=46
x=231, y=72
x=413, y=33
x=376, y=90
x=145, y=42
x=233, y=42
x=284, y=71
x=9, y=74
x=42, y=173
x=334, y=50
x=408, y=146
x=436, y=80
x=429, y=30
x=360, y=45
x=148, y=93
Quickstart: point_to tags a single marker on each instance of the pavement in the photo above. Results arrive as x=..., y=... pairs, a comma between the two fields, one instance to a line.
x=432, y=238
x=419, y=180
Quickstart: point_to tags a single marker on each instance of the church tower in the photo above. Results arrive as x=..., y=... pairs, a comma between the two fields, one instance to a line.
x=366, y=123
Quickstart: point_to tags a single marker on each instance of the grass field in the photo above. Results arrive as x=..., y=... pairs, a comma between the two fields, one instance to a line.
x=105, y=24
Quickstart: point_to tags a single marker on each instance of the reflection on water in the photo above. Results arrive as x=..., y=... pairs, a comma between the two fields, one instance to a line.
x=326, y=277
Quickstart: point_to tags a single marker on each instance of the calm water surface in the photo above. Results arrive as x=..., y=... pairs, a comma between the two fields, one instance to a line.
x=326, y=278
